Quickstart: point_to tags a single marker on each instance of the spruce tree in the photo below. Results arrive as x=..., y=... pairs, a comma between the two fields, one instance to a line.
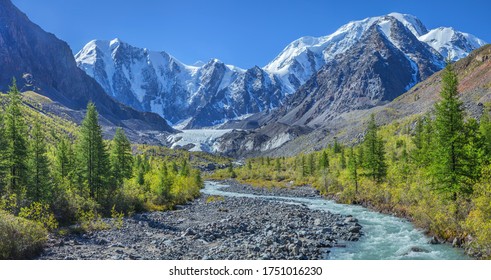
x=312, y=164
x=472, y=154
x=342, y=159
x=16, y=142
x=418, y=140
x=231, y=170
x=485, y=132
x=277, y=165
x=92, y=157
x=64, y=159
x=324, y=161
x=302, y=163
x=121, y=158
x=374, y=152
x=423, y=141
x=165, y=183
x=337, y=146
x=448, y=166
x=40, y=183
x=3, y=156
x=353, y=168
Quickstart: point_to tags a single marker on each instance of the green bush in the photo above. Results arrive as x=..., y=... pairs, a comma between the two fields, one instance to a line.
x=19, y=237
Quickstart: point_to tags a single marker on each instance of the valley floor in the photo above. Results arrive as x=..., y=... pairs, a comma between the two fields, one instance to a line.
x=215, y=227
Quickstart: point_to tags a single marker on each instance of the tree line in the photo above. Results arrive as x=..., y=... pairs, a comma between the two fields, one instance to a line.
x=82, y=175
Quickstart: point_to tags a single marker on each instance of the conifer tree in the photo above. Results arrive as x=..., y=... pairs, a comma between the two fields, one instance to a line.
x=302, y=163
x=16, y=142
x=418, y=140
x=277, y=165
x=231, y=170
x=423, y=141
x=121, y=158
x=3, y=155
x=374, y=152
x=324, y=166
x=40, y=184
x=92, y=157
x=324, y=161
x=353, y=168
x=448, y=166
x=485, y=132
x=311, y=164
x=342, y=159
x=140, y=175
x=64, y=159
x=336, y=146
x=165, y=183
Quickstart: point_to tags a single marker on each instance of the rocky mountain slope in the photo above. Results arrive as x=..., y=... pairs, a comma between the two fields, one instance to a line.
x=45, y=64
x=211, y=94
x=474, y=73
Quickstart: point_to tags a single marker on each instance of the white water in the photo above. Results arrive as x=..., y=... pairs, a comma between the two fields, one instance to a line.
x=385, y=237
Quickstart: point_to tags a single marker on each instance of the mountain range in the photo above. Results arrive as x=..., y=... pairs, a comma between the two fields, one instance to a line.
x=363, y=64
x=41, y=62
x=314, y=90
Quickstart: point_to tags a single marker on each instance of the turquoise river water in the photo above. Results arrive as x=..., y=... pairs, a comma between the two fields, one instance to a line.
x=385, y=237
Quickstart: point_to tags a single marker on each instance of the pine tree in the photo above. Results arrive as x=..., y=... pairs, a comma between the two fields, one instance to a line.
x=231, y=170
x=418, y=139
x=337, y=146
x=277, y=165
x=121, y=158
x=64, y=159
x=485, y=132
x=342, y=159
x=324, y=166
x=16, y=140
x=472, y=154
x=140, y=176
x=324, y=161
x=448, y=167
x=374, y=152
x=92, y=156
x=165, y=183
x=40, y=182
x=302, y=163
x=423, y=141
x=311, y=164
x=3, y=155
x=353, y=168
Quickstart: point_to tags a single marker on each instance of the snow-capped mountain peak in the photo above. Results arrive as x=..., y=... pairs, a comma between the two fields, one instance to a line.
x=450, y=43
x=213, y=92
x=305, y=56
x=157, y=82
x=410, y=22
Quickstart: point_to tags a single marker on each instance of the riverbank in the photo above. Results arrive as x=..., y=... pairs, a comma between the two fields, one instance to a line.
x=214, y=227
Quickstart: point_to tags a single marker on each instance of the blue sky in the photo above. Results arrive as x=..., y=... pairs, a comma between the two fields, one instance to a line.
x=242, y=33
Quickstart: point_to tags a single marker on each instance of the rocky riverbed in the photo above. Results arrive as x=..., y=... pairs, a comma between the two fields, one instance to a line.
x=293, y=191
x=216, y=228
